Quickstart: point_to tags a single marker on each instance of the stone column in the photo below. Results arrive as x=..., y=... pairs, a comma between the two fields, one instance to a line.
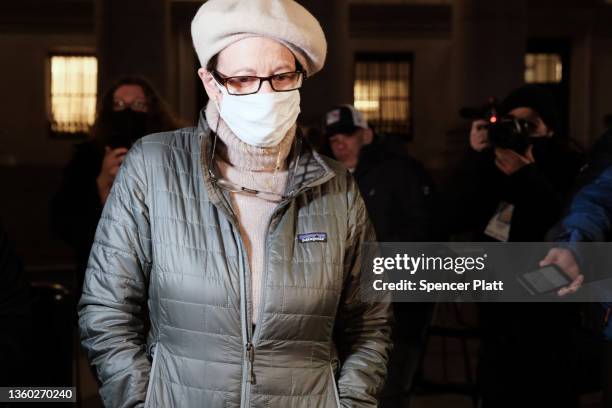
x=334, y=84
x=133, y=38
x=489, y=43
x=487, y=59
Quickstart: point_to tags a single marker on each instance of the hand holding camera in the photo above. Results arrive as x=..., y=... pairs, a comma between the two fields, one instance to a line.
x=509, y=136
x=479, y=138
x=509, y=139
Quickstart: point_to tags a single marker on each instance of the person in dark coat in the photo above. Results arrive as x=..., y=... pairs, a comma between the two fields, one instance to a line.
x=515, y=192
x=589, y=219
x=396, y=188
x=130, y=109
x=15, y=318
x=399, y=196
x=530, y=185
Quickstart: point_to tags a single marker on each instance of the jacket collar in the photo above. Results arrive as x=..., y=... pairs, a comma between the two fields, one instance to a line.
x=306, y=168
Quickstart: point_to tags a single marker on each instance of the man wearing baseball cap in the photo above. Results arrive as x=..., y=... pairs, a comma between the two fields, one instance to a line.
x=398, y=195
x=349, y=131
x=396, y=188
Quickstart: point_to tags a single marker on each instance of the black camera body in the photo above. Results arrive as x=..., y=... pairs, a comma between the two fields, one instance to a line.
x=510, y=133
x=504, y=132
x=119, y=139
x=126, y=127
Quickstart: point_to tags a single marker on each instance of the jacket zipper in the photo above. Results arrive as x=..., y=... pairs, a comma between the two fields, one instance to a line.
x=248, y=375
x=334, y=384
x=292, y=194
x=249, y=351
x=153, y=354
x=264, y=274
x=250, y=348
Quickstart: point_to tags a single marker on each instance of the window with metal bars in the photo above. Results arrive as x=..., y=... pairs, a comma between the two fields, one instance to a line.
x=542, y=68
x=73, y=93
x=382, y=91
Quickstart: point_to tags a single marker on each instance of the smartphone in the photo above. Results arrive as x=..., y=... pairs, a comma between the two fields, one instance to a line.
x=547, y=279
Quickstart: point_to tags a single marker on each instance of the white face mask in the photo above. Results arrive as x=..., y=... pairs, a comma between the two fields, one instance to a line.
x=261, y=119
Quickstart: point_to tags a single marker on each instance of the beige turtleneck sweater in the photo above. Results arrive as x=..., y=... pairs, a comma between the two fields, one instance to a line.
x=252, y=167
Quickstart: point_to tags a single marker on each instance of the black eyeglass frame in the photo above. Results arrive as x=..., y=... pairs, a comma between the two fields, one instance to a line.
x=222, y=80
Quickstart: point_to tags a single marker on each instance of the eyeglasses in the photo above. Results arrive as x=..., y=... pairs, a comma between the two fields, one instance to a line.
x=247, y=85
x=235, y=188
x=138, y=105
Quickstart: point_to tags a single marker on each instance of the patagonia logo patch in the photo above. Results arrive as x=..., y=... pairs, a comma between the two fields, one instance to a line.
x=312, y=237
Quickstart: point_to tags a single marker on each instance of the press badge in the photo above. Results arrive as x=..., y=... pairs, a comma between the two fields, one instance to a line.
x=499, y=225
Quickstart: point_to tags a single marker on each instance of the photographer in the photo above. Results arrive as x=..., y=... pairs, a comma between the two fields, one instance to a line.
x=511, y=188
x=517, y=172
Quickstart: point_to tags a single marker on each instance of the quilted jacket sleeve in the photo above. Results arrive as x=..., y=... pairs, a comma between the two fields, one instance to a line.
x=363, y=330
x=113, y=304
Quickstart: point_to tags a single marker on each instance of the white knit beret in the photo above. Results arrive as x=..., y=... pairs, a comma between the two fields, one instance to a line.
x=220, y=23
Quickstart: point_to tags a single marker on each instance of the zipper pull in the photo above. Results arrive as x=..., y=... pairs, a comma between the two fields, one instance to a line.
x=151, y=350
x=251, y=356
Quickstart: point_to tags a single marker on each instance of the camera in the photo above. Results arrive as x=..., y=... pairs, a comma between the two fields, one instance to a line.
x=510, y=133
x=505, y=132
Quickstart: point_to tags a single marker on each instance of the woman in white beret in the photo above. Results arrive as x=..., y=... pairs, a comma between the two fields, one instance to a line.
x=226, y=265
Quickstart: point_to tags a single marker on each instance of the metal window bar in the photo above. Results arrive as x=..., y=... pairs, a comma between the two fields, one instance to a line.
x=73, y=93
x=382, y=93
x=541, y=68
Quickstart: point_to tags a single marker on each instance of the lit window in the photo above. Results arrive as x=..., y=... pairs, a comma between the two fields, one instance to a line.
x=382, y=92
x=74, y=81
x=543, y=68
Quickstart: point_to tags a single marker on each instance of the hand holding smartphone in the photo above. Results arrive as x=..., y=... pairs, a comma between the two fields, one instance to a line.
x=547, y=279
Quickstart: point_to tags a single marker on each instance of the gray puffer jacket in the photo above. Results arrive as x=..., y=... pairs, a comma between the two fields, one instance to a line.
x=166, y=308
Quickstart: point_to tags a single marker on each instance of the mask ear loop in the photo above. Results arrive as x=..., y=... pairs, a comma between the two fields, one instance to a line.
x=212, y=155
x=296, y=153
x=220, y=89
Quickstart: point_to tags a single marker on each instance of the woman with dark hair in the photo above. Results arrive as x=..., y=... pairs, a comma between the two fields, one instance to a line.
x=125, y=97
x=130, y=109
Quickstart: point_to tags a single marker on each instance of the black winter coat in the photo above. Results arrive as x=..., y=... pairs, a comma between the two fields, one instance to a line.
x=15, y=318
x=524, y=346
x=76, y=207
x=538, y=192
x=397, y=190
